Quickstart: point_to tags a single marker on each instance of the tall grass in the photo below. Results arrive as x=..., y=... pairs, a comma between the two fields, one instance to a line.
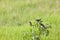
x=15, y=15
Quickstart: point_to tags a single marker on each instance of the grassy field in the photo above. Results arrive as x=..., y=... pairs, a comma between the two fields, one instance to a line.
x=15, y=15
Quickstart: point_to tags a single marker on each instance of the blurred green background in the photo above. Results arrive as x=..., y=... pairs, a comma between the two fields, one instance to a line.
x=15, y=15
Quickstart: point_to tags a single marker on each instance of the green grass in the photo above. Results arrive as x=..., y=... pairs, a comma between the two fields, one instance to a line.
x=16, y=12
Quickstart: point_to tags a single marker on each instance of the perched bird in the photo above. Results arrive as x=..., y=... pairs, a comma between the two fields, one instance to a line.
x=40, y=23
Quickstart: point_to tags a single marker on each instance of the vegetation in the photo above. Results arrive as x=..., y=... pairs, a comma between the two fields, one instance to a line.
x=16, y=14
